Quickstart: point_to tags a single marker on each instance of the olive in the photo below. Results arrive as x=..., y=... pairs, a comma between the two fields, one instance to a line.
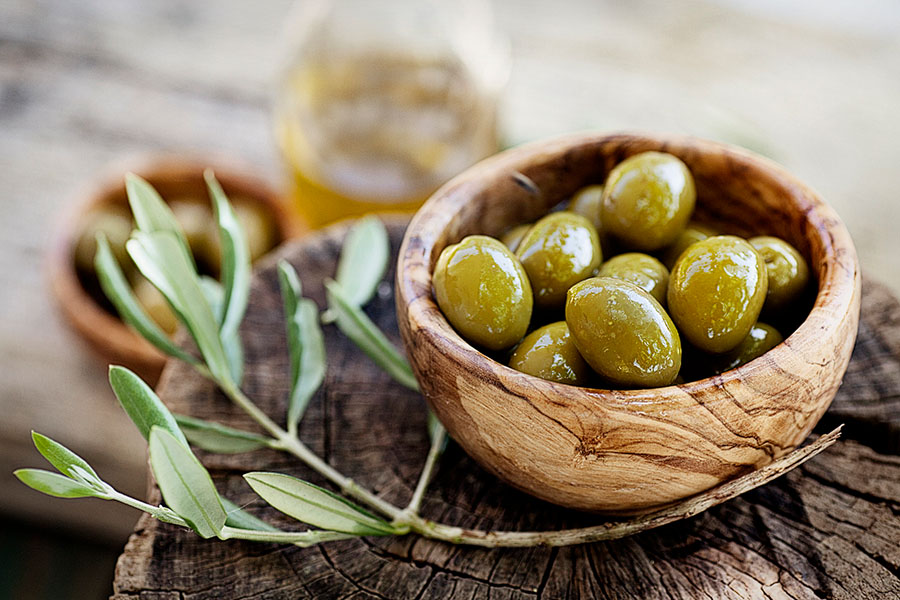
x=587, y=202
x=623, y=332
x=716, y=291
x=787, y=271
x=550, y=353
x=258, y=225
x=640, y=269
x=512, y=237
x=483, y=291
x=155, y=305
x=647, y=200
x=694, y=232
x=115, y=223
x=557, y=252
x=760, y=340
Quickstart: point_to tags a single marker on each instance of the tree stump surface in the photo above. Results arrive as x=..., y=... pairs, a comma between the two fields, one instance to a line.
x=829, y=529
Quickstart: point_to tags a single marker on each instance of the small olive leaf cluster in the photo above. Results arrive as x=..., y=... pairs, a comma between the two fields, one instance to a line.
x=211, y=311
x=363, y=261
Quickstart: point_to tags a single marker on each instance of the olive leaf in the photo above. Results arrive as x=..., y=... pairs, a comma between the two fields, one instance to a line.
x=142, y=404
x=116, y=287
x=437, y=434
x=214, y=437
x=357, y=326
x=160, y=259
x=151, y=213
x=61, y=457
x=185, y=484
x=235, y=264
x=54, y=484
x=316, y=506
x=231, y=341
x=363, y=262
x=306, y=344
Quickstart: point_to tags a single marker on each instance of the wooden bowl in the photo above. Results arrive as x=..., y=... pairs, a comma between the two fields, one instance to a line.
x=173, y=176
x=628, y=451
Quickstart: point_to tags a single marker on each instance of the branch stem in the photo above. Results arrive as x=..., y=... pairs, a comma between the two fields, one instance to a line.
x=437, y=444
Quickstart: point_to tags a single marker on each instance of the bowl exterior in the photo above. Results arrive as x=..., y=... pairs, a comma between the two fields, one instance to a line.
x=629, y=451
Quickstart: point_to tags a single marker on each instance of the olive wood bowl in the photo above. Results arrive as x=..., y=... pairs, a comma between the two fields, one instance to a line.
x=172, y=176
x=629, y=451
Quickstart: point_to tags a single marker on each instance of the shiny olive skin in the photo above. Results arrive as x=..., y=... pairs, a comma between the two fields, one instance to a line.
x=587, y=202
x=484, y=292
x=642, y=270
x=694, y=232
x=623, y=332
x=761, y=339
x=787, y=271
x=557, y=252
x=716, y=291
x=512, y=237
x=647, y=200
x=550, y=353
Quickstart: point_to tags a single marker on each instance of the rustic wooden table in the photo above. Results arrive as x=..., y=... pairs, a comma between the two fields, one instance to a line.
x=813, y=84
x=829, y=529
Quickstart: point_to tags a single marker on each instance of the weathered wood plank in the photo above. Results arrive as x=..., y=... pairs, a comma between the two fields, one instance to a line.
x=829, y=529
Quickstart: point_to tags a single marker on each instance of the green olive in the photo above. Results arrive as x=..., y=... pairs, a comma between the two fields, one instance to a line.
x=623, y=332
x=694, y=232
x=484, y=292
x=760, y=340
x=550, y=353
x=642, y=270
x=115, y=223
x=587, y=202
x=787, y=271
x=557, y=252
x=647, y=200
x=258, y=224
x=512, y=237
x=716, y=291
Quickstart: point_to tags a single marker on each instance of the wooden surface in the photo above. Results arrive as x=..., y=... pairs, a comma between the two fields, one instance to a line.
x=813, y=83
x=629, y=451
x=827, y=530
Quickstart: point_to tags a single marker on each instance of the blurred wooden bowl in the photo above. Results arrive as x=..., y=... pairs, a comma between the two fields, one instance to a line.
x=174, y=177
x=628, y=451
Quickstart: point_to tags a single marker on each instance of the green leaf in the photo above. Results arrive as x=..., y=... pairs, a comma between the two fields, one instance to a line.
x=214, y=437
x=142, y=404
x=54, y=484
x=119, y=292
x=316, y=506
x=357, y=326
x=231, y=341
x=235, y=259
x=59, y=456
x=238, y=517
x=185, y=484
x=214, y=294
x=306, y=344
x=152, y=214
x=159, y=258
x=364, y=260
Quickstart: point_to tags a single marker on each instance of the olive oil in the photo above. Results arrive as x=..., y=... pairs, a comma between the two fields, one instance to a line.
x=378, y=131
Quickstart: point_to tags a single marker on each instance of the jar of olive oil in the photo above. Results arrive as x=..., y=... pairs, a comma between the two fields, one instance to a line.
x=380, y=102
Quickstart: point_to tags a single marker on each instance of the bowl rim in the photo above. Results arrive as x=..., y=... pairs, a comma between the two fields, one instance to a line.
x=839, y=276
x=105, y=332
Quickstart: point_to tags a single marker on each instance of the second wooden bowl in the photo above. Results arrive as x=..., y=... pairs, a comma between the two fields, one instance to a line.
x=629, y=451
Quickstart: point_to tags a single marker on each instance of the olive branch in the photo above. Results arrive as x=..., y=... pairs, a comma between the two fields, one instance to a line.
x=211, y=311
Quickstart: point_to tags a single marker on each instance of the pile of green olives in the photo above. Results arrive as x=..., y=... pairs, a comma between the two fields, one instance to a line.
x=620, y=288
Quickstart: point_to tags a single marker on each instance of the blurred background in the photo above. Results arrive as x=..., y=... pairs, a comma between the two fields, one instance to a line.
x=813, y=84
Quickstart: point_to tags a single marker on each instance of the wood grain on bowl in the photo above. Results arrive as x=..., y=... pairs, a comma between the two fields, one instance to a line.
x=173, y=177
x=629, y=451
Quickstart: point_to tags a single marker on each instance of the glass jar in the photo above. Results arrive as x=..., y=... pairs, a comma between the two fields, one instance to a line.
x=380, y=102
